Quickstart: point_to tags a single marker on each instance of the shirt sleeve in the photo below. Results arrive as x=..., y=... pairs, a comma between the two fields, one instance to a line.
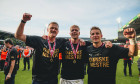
x=88, y=43
x=32, y=41
x=62, y=48
x=13, y=54
x=61, y=42
x=85, y=54
x=121, y=52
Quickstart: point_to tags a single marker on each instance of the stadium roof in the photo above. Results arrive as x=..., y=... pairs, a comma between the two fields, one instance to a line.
x=133, y=23
x=5, y=34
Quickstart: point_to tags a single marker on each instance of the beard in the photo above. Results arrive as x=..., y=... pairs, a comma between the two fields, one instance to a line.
x=75, y=38
x=53, y=34
x=96, y=42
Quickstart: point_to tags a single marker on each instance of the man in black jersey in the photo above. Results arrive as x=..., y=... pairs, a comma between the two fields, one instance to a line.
x=10, y=68
x=102, y=62
x=73, y=56
x=46, y=60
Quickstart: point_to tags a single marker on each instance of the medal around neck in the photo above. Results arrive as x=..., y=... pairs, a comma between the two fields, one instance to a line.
x=74, y=61
x=74, y=51
x=51, y=60
x=51, y=50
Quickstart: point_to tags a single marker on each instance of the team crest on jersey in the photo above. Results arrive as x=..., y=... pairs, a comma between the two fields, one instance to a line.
x=45, y=46
x=90, y=55
x=67, y=48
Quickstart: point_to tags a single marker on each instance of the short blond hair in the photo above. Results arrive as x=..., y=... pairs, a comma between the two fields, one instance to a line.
x=75, y=26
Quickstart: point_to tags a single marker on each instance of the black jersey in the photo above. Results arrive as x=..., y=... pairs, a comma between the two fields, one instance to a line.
x=73, y=67
x=45, y=66
x=12, y=55
x=103, y=62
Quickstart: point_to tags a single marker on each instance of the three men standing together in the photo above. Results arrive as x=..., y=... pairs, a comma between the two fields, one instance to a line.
x=101, y=61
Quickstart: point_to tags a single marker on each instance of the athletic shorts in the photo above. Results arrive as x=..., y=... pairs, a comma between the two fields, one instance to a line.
x=64, y=81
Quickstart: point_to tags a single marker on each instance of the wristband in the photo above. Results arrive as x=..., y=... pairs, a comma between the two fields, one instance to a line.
x=23, y=21
x=132, y=41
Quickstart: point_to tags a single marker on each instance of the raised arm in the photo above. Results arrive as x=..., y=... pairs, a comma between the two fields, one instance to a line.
x=130, y=33
x=19, y=33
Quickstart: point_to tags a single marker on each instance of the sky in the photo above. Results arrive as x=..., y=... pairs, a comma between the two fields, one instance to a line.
x=84, y=13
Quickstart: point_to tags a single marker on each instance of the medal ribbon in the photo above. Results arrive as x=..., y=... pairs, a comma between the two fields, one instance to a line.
x=75, y=52
x=51, y=50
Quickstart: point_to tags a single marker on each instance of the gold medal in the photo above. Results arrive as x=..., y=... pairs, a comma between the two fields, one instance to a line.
x=51, y=60
x=74, y=61
x=51, y=50
x=74, y=51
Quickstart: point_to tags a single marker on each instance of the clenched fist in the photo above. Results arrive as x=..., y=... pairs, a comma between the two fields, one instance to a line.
x=129, y=33
x=26, y=17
